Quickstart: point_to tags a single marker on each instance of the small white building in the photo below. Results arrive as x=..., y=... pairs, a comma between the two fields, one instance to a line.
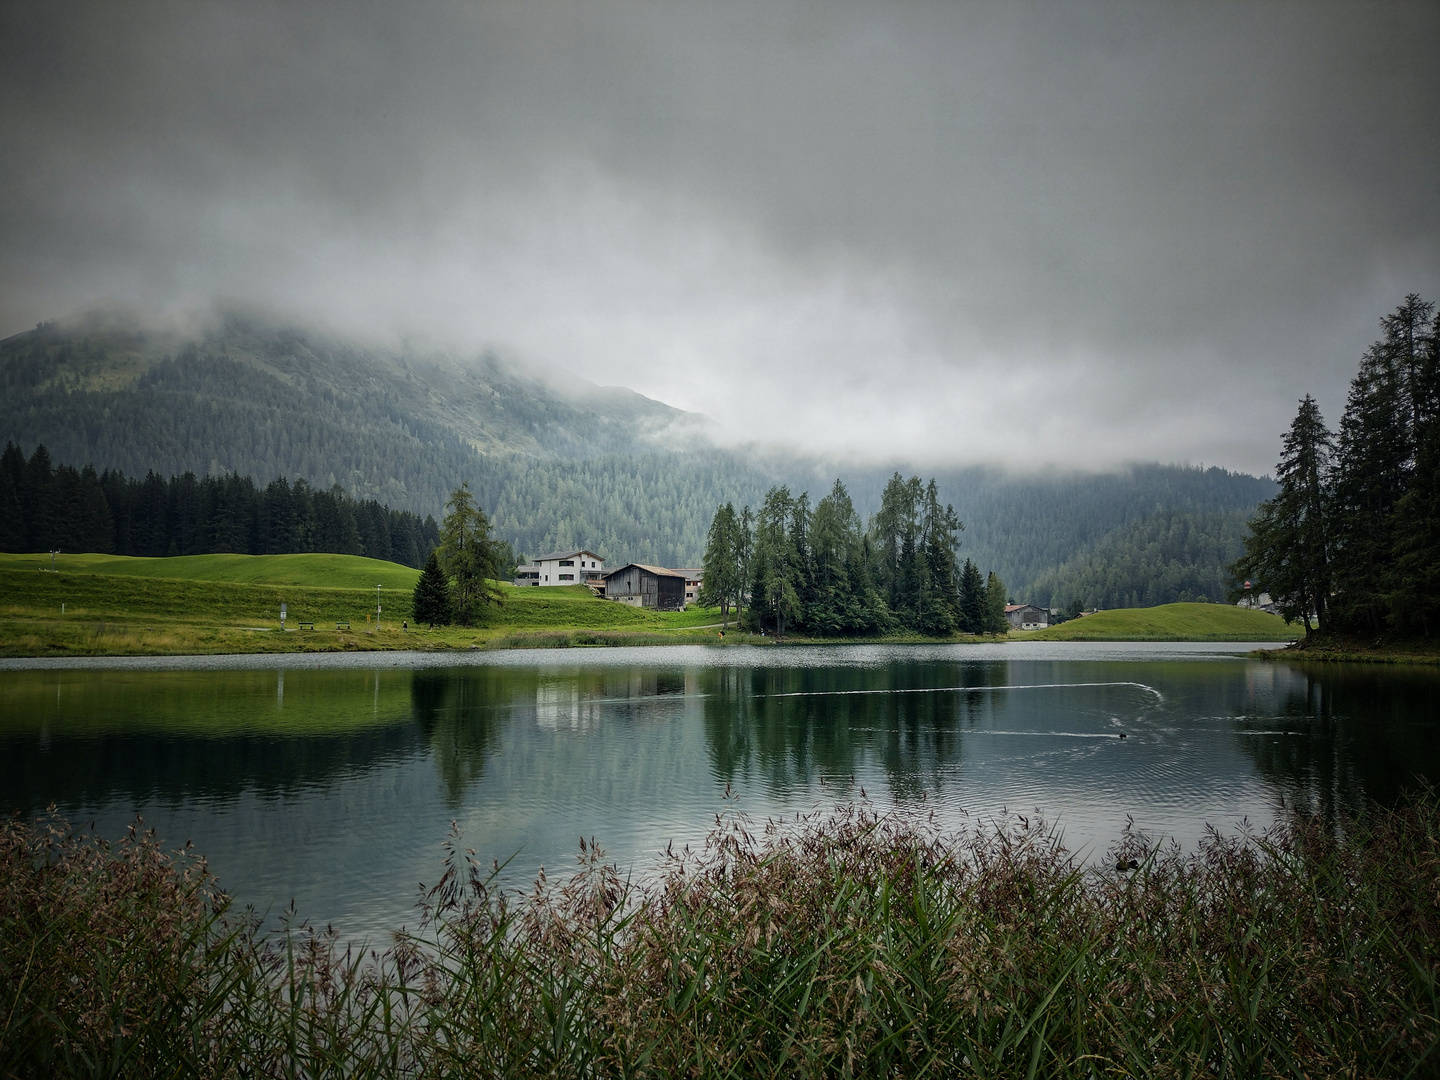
x=694, y=578
x=562, y=568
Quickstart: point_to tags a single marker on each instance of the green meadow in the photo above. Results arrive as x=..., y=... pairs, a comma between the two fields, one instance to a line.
x=104, y=605
x=1171, y=622
x=111, y=605
x=320, y=571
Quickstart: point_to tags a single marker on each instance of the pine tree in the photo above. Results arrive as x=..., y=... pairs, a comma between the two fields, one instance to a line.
x=1287, y=552
x=1415, y=602
x=1373, y=465
x=13, y=521
x=995, y=621
x=721, y=563
x=432, y=593
x=939, y=599
x=972, y=599
x=774, y=595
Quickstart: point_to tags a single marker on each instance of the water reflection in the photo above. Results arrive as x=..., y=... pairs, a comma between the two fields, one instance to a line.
x=337, y=786
x=788, y=727
x=90, y=739
x=1332, y=736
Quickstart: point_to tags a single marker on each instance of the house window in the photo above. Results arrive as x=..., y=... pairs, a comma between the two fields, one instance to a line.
x=567, y=562
x=567, y=577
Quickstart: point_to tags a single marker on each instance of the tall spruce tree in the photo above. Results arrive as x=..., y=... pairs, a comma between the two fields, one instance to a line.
x=938, y=602
x=1374, y=461
x=844, y=599
x=1288, y=550
x=972, y=599
x=1415, y=603
x=721, y=584
x=775, y=572
x=995, y=621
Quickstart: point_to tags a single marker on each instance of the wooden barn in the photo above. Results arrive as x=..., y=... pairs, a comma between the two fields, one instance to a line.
x=647, y=586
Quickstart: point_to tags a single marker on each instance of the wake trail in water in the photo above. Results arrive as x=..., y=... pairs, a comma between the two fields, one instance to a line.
x=968, y=689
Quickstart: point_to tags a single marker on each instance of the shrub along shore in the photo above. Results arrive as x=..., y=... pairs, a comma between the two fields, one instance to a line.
x=847, y=944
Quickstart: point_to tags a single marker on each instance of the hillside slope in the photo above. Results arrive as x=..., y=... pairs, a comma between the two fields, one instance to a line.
x=598, y=467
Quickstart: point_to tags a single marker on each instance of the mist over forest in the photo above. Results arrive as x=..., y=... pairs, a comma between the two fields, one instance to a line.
x=577, y=465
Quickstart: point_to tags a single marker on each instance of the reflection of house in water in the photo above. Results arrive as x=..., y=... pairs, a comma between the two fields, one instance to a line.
x=561, y=706
x=581, y=704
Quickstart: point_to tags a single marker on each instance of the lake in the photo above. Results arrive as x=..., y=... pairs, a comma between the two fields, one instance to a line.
x=332, y=780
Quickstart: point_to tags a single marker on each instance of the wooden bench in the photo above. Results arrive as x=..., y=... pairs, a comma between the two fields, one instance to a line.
x=306, y=625
x=342, y=626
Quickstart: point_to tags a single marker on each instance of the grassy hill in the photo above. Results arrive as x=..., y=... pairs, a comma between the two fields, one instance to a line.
x=317, y=571
x=1171, y=622
x=103, y=605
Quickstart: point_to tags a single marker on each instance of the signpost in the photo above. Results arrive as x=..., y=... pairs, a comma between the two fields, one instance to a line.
x=282, y=615
x=377, y=607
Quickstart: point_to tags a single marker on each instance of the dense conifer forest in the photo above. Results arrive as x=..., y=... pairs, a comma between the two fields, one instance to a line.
x=788, y=567
x=599, y=467
x=1351, y=541
x=44, y=507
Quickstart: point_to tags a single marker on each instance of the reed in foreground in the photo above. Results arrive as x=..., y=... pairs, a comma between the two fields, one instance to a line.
x=848, y=944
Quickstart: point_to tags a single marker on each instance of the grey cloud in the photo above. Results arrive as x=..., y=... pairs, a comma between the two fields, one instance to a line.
x=884, y=228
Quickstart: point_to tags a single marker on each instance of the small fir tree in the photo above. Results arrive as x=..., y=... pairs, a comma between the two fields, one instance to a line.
x=432, y=594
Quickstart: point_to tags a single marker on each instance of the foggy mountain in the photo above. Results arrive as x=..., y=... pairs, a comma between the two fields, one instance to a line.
x=557, y=461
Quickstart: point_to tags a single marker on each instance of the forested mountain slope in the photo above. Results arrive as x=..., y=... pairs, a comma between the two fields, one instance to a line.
x=1030, y=527
x=601, y=467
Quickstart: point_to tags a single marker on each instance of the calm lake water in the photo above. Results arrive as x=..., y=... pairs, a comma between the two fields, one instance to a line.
x=333, y=780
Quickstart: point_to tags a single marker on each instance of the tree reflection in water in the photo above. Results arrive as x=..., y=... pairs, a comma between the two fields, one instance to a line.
x=790, y=726
x=1338, y=735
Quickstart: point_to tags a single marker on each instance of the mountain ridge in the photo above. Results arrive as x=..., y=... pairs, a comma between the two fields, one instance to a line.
x=597, y=466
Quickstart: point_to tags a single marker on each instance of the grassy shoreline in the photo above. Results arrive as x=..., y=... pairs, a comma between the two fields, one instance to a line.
x=1323, y=650
x=98, y=605
x=847, y=944
x=1170, y=622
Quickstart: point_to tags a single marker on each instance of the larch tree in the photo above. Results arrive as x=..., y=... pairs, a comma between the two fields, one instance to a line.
x=468, y=555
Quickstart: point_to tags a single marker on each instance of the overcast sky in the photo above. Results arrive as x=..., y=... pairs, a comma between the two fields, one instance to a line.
x=1063, y=233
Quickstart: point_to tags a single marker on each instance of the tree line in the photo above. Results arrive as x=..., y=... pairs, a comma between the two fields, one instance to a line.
x=1352, y=538
x=815, y=570
x=45, y=507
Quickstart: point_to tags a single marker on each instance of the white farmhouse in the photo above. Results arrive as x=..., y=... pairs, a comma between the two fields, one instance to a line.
x=562, y=568
x=694, y=579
